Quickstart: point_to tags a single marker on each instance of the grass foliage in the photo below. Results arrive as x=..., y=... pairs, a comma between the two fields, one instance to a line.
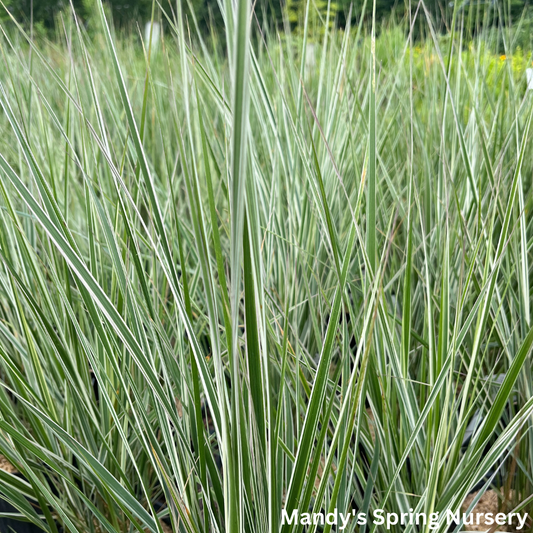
x=285, y=274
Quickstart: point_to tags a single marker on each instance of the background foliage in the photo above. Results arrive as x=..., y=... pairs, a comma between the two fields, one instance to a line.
x=240, y=278
x=127, y=12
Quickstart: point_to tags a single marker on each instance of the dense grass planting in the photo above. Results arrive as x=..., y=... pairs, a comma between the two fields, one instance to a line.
x=293, y=273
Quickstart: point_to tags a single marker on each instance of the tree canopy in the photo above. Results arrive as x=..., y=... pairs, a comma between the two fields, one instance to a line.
x=127, y=12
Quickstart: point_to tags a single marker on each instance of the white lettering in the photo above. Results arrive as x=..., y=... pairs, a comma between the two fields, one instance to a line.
x=434, y=521
x=285, y=519
x=361, y=519
x=331, y=518
x=521, y=521
x=345, y=518
x=501, y=519
x=453, y=517
x=378, y=513
x=392, y=519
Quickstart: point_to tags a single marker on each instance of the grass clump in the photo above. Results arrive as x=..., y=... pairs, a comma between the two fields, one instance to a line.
x=237, y=281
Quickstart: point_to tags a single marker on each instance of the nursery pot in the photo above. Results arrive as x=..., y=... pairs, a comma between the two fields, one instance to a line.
x=8, y=525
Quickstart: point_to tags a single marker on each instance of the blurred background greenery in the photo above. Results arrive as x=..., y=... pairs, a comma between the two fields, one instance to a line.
x=126, y=14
